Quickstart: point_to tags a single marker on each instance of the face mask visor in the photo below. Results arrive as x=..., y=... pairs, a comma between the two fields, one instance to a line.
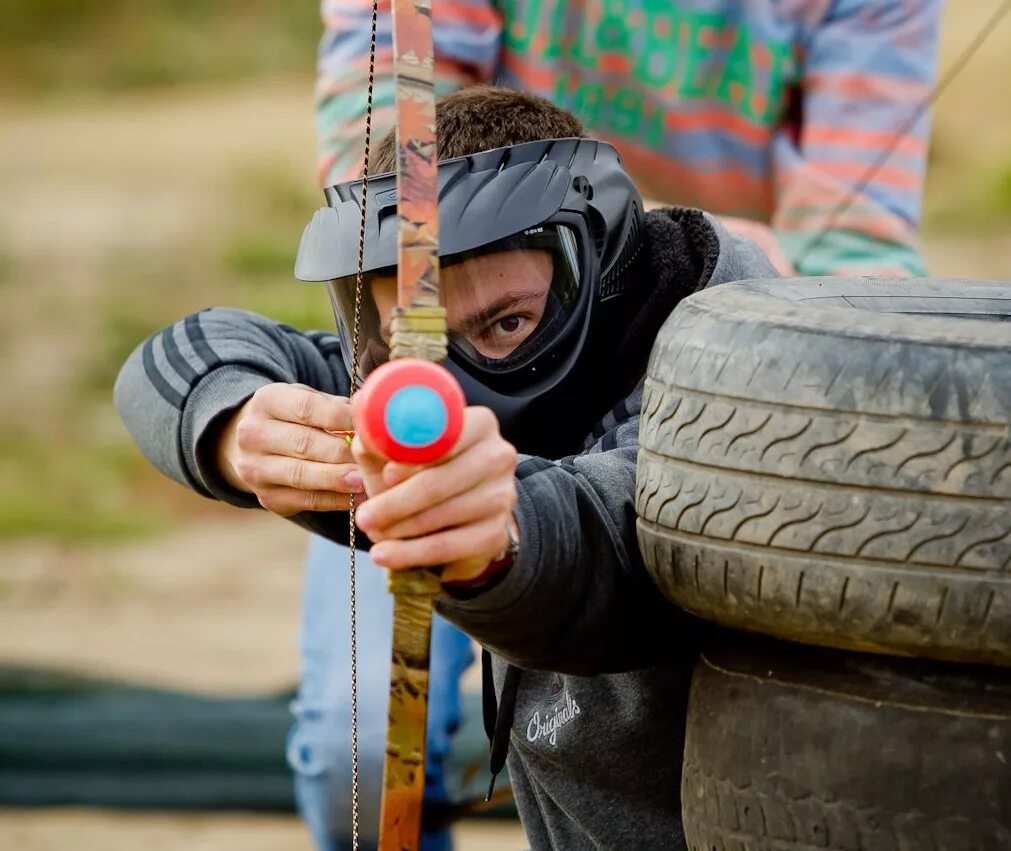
x=507, y=302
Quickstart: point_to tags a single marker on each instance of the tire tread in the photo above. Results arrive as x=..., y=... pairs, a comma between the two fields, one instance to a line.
x=851, y=485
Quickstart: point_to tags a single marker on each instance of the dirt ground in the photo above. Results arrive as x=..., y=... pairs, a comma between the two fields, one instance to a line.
x=212, y=604
x=101, y=830
x=212, y=608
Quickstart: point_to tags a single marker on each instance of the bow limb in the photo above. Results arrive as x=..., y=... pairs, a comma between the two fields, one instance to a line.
x=418, y=330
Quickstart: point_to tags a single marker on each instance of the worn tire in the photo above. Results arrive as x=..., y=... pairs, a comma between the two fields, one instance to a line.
x=816, y=468
x=793, y=748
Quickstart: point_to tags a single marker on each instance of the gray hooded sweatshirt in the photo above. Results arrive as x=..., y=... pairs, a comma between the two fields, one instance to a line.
x=597, y=717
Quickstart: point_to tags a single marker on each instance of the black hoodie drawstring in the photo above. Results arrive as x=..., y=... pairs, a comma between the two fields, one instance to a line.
x=498, y=721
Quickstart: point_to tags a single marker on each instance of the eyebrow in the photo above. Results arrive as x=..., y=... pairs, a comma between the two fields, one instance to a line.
x=485, y=314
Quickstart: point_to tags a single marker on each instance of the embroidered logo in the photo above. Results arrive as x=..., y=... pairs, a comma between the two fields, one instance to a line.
x=558, y=714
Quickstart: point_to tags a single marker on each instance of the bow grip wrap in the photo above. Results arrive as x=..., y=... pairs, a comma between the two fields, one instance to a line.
x=410, y=411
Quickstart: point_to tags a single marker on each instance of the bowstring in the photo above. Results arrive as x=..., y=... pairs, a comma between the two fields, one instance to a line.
x=857, y=189
x=355, y=335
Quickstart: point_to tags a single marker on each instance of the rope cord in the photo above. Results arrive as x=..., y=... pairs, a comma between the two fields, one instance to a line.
x=355, y=334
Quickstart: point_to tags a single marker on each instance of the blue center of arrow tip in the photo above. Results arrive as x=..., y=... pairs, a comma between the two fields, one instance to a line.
x=416, y=416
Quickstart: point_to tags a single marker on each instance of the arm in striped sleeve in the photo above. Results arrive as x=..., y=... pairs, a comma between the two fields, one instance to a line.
x=868, y=66
x=178, y=387
x=578, y=599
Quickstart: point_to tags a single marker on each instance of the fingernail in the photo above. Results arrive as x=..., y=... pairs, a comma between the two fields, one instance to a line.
x=363, y=515
x=378, y=554
x=354, y=481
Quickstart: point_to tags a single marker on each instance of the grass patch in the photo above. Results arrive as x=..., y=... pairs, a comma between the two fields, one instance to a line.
x=262, y=266
x=970, y=199
x=54, y=46
x=73, y=490
x=123, y=325
x=300, y=305
x=261, y=255
x=48, y=519
x=275, y=193
x=6, y=267
x=275, y=206
x=998, y=193
x=258, y=257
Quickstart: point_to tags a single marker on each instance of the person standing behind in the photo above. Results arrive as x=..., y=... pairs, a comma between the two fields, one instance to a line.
x=769, y=112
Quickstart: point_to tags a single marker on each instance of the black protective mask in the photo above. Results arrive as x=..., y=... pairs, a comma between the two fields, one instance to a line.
x=539, y=244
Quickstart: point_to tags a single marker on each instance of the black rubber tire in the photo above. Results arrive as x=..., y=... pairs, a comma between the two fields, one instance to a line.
x=817, y=468
x=793, y=748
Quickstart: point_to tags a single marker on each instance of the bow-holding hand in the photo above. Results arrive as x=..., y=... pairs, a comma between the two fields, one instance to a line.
x=453, y=513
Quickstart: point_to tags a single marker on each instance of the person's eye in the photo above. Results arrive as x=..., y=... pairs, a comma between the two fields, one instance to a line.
x=510, y=324
x=509, y=330
x=501, y=336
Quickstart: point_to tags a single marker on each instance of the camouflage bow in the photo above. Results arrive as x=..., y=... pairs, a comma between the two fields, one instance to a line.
x=418, y=329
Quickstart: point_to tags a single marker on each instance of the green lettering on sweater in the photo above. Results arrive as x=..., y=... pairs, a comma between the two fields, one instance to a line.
x=672, y=54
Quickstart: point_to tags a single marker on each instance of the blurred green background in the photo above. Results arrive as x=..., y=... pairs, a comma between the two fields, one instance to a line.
x=157, y=157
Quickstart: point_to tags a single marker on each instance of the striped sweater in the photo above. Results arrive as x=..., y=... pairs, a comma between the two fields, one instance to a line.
x=770, y=110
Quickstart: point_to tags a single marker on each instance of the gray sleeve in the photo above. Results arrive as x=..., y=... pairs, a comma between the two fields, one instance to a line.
x=578, y=599
x=740, y=259
x=177, y=388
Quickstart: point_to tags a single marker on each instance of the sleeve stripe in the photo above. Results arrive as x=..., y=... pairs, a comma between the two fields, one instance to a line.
x=894, y=177
x=199, y=342
x=872, y=86
x=175, y=358
x=165, y=390
x=872, y=140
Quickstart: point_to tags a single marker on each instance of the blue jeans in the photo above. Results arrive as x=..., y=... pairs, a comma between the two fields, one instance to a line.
x=319, y=745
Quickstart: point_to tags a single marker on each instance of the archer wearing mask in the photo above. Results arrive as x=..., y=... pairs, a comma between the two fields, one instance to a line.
x=556, y=285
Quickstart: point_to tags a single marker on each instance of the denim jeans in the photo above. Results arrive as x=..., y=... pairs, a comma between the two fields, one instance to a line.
x=319, y=745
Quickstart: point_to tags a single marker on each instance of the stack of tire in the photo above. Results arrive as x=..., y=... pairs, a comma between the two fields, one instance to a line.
x=825, y=473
